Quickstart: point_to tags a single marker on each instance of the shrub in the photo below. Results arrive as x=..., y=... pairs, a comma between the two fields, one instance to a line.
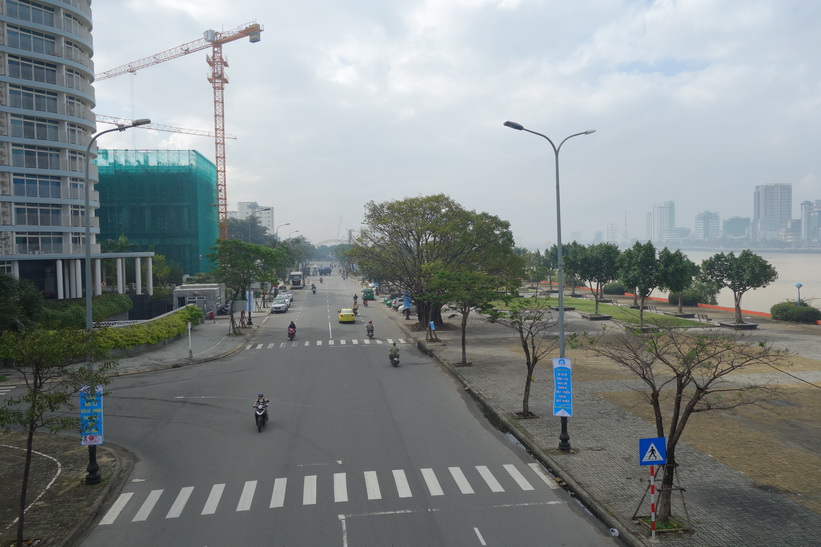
x=152, y=332
x=614, y=288
x=57, y=314
x=788, y=311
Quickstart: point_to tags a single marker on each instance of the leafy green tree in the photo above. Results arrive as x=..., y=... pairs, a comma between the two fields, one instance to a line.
x=739, y=274
x=683, y=374
x=573, y=263
x=22, y=303
x=465, y=291
x=402, y=237
x=638, y=267
x=249, y=230
x=47, y=361
x=531, y=318
x=240, y=263
x=676, y=272
x=597, y=265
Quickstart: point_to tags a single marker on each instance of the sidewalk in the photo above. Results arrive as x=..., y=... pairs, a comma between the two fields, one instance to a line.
x=727, y=506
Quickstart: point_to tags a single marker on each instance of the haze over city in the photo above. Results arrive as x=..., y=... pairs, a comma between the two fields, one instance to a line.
x=338, y=104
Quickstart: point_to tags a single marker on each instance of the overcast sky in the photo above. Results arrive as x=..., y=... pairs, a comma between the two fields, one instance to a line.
x=346, y=101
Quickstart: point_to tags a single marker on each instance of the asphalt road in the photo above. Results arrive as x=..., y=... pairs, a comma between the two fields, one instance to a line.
x=357, y=452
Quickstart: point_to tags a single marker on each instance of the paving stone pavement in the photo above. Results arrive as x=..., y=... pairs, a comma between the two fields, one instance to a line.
x=726, y=506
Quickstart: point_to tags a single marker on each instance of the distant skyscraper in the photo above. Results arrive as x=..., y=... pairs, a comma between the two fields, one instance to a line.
x=810, y=213
x=708, y=226
x=664, y=218
x=772, y=210
x=736, y=227
x=265, y=215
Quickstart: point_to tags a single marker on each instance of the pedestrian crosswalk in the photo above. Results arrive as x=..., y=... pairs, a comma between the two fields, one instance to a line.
x=373, y=342
x=5, y=390
x=309, y=490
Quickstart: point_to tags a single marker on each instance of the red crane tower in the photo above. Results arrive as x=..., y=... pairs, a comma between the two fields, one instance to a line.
x=218, y=79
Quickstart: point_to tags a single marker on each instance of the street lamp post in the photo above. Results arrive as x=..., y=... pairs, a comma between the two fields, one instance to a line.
x=255, y=212
x=93, y=469
x=291, y=233
x=564, y=437
x=276, y=232
x=798, y=286
x=251, y=300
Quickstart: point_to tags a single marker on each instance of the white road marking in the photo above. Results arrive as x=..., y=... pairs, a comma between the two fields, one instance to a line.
x=461, y=480
x=147, y=506
x=489, y=478
x=247, y=496
x=259, y=346
x=319, y=342
x=479, y=535
x=278, y=497
x=402, y=486
x=282, y=344
x=367, y=342
x=213, y=499
x=340, y=487
x=372, y=486
x=309, y=490
x=354, y=342
x=116, y=508
x=378, y=341
x=402, y=341
x=520, y=480
x=552, y=484
x=271, y=345
x=434, y=487
x=342, y=342
x=249, y=346
x=179, y=503
x=389, y=340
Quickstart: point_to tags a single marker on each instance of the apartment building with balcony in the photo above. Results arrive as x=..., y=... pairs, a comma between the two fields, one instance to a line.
x=46, y=123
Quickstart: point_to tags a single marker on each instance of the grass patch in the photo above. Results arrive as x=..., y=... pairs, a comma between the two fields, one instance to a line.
x=2, y=378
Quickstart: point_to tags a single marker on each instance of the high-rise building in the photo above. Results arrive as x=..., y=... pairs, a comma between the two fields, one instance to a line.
x=737, y=227
x=708, y=226
x=46, y=123
x=664, y=219
x=265, y=214
x=772, y=210
x=811, y=221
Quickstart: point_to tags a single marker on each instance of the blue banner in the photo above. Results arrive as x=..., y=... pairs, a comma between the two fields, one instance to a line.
x=91, y=416
x=562, y=387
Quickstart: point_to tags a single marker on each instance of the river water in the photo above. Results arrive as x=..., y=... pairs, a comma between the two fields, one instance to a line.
x=792, y=268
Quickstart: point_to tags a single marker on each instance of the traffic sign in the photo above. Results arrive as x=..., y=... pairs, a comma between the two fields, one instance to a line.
x=653, y=451
x=562, y=387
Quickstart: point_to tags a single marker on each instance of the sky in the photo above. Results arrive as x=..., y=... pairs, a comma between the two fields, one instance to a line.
x=343, y=102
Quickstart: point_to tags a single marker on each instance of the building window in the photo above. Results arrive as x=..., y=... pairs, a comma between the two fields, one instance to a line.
x=35, y=157
x=75, y=107
x=78, y=215
x=74, y=79
x=75, y=134
x=28, y=214
x=29, y=69
x=30, y=40
x=36, y=186
x=30, y=11
x=76, y=188
x=37, y=243
x=33, y=128
x=76, y=161
x=32, y=99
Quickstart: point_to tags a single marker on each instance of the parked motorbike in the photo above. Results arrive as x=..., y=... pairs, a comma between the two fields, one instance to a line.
x=222, y=310
x=261, y=415
x=291, y=333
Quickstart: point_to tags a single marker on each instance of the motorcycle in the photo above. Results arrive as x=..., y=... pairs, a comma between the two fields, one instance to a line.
x=320, y=280
x=222, y=310
x=365, y=302
x=291, y=333
x=313, y=290
x=369, y=330
x=395, y=360
x=261, y=415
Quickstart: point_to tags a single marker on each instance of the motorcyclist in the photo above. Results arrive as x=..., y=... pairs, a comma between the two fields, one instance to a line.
x=264, y=402
x=313, y=287
x=320, y=280
x=355, y=308
x=394, y=351
x=292, y=326
x=355, y=298
x=369, y=328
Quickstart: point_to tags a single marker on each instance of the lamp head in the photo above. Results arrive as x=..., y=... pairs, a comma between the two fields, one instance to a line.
x=589, y=131
x=141, y=121
x=514, y=125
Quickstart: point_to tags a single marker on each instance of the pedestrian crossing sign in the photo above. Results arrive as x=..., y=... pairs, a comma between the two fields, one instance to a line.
x=653, y=451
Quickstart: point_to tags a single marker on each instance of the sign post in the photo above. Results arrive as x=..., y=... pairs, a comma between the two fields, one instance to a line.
x=91, y=416
x=562, y=387
x=653, y=452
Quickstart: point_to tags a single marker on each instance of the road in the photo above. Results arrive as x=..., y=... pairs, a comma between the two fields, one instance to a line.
x=356, y=453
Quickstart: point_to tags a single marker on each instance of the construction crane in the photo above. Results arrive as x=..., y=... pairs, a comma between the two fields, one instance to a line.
x=218, y=79
x=113, y=120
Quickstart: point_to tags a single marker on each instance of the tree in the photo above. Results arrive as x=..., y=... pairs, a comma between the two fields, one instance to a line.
x=531, y=318
x=638, y=268
x=683, y=374
x=240, y=263
x=465, y=291
x=401, y=237
x=574, y=258
x=46, y=359
x=739, y=274
x=249, y=230
x=676, y=272
x=597, y=265
x=22, y=303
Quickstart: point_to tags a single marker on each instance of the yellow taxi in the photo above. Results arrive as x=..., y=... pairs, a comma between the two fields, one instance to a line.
x=346, y=315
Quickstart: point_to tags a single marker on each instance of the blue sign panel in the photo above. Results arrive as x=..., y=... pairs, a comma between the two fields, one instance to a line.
x=653, y=451
x=91, y=415
x=562, y=387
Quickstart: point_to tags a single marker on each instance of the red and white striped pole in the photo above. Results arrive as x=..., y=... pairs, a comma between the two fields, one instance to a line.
x=653, y=502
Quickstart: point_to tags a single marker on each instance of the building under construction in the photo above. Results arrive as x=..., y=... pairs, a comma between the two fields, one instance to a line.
x=162, y=200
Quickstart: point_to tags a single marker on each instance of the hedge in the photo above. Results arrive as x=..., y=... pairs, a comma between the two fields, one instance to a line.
x=152, y=332
x=788, y=311
x=614, y=288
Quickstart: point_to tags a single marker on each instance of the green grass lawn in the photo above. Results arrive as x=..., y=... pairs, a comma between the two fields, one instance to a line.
x=626, y=315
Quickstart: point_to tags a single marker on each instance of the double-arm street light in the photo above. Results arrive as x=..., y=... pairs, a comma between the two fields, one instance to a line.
x=93, y=469
x=564, y=437
x=291, y=233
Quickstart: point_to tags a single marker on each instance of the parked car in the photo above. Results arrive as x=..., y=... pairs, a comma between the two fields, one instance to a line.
x=286, y=293
x=280, y=305
x=346, y=315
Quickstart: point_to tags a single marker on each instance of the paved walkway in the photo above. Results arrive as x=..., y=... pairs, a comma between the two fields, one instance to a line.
x=726, y=506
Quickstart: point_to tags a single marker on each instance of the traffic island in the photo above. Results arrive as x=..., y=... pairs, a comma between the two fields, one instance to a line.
x=739, y=326
x=596, y=316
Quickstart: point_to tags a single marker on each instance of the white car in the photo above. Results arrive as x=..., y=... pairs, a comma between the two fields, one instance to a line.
x=286, y=294
x=280, y=305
